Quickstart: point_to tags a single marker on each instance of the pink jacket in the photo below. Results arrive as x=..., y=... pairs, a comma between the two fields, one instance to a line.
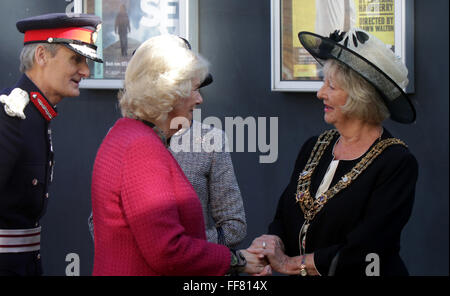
x=147, y=217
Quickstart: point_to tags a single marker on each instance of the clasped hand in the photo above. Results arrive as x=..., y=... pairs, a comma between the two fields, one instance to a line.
x=256, y=265
x=271, y=247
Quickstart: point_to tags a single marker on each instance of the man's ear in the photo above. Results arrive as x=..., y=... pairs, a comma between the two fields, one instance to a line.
x=41, y=55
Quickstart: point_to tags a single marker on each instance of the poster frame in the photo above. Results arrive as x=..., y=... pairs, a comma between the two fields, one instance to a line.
x=188, y=29
x=404, y=47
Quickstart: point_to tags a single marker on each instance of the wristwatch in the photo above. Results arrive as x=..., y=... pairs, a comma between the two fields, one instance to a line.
x=238, y=261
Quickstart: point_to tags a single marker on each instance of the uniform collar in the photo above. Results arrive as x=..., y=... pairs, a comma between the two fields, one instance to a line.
x=37, y=98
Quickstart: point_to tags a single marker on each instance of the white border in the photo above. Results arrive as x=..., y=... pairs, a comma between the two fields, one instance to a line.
x=188, y=16
x=311, y=86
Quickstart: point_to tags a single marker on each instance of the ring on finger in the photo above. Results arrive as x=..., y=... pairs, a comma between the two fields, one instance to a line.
x=264, y=245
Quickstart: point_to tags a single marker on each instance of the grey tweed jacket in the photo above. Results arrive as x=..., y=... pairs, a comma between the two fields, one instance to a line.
x=200, y=152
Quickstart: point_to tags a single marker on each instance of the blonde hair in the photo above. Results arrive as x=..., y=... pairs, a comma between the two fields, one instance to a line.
x=363, y=101
x=160, y=73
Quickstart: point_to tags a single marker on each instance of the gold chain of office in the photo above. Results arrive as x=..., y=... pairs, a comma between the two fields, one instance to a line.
x=311, y=206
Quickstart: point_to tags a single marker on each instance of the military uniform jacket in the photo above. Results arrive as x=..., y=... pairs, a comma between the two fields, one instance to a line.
x=26, y=160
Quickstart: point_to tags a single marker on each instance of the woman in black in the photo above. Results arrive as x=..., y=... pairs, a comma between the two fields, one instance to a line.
x=352, y=189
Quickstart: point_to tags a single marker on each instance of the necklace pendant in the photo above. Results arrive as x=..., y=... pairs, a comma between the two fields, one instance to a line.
x=345, y=179
x=300, y=196
x=305, y=174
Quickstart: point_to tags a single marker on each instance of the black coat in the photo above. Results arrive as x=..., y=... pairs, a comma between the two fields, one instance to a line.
x=26, y=163
x=366, y=217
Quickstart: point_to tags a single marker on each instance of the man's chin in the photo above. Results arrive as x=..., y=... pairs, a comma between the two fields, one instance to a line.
x=72, y=94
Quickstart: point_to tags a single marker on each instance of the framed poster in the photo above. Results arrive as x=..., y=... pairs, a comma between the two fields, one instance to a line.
x=294, y=69
x=128, y=23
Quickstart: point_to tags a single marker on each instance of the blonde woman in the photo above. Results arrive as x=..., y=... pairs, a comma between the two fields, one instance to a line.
x=147, y=217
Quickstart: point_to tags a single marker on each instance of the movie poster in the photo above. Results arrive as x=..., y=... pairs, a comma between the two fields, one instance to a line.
x=126, y=24
x=323, y=17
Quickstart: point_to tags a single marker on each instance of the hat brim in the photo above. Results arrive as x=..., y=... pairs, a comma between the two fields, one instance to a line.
x=84, y=50
x=395, y=99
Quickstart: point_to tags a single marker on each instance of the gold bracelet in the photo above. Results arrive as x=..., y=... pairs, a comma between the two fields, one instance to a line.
x=303, y=271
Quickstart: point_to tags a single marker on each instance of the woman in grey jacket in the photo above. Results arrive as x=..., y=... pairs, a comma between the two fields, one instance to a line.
x=200, y=152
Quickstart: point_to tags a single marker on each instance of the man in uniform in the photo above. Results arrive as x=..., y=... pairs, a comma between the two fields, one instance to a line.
x=53, y=62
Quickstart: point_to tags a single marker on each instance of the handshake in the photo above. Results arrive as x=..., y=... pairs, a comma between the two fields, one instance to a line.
x=266, y=254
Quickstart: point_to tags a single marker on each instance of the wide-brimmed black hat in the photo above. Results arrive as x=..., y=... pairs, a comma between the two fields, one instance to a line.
x=370, y=58
x=77, y=32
